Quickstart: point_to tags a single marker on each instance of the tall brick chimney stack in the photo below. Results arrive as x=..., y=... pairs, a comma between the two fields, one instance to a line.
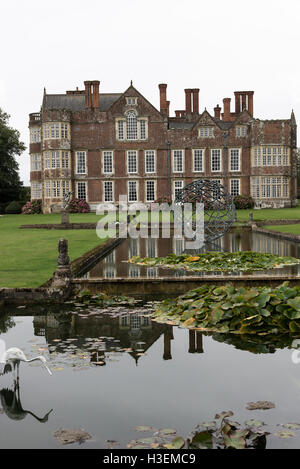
x=88, y=93
x=196, y=100
x=226, y=113
x=217, y=111
x=96, y=96
x=163, y=98
x=250, y=102
x=188, y=101
x=244, y=100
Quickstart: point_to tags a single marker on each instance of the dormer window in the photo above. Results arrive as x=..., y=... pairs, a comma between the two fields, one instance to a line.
x=206, y=132
x=241, y=131
x=132, y=127
x=131, y=101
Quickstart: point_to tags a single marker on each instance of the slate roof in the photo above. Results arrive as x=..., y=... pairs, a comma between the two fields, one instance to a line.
x=76, y=102
x=180, y=125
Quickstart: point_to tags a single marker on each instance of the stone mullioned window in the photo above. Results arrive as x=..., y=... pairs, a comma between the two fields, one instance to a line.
x=131, y=127
x=56, y=159
x=266, y=187
x=56, y=130
x=270, y=156
x=56, y=188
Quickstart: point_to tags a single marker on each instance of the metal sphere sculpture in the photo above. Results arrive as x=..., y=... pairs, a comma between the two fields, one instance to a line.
x=219, y=208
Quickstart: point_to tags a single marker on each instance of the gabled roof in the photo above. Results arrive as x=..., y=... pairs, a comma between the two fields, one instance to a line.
x=76, y=102
x=131, y=87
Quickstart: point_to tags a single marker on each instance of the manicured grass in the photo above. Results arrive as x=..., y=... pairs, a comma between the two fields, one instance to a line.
x=269, y=214
x=293, y=229
x=28, y=256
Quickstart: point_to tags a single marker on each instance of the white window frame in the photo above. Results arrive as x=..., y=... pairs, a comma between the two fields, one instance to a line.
x=211, y=160
x=36, y=190
x=130, y=153
x=47, y=189
x=77, y=191
x=150, y=153
x=182, y=160
x=122, y=131
x=202, y=160
x=230, y=159
x=47, y=160
x=239, y=187
x=112, y=191
x=241, y=131
x=77, y=153
x=146, y=189
x=65, y=159
x=36, y=162
x=35, y=134
x=181, y=181
x=104, y=154
x=206, y=132
x=129, y=183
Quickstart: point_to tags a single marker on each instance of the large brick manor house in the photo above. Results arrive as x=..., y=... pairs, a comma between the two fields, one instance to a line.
x=103, y=145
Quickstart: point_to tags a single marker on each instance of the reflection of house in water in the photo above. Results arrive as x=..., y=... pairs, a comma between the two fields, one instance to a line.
x=134, y=332
x=130, y=331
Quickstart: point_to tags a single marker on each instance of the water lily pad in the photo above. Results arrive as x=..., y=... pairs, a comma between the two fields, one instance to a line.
x=260, y=405
x=145, y=428
x=293, y=426
x=167, y=431
x=176, y=443
x=254, y=423
x=285, y=434
x=66, y=437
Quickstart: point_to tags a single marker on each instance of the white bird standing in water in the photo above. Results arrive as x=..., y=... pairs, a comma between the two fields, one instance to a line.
x=12, y=358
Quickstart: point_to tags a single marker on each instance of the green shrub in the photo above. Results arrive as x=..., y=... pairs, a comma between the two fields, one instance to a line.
x=14, y=207
x=30, y=208
x=243, y=201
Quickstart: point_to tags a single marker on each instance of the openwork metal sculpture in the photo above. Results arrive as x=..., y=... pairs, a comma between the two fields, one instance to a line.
x=219, y=208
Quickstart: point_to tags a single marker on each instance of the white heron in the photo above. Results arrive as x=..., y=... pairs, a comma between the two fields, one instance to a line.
x=12, y=357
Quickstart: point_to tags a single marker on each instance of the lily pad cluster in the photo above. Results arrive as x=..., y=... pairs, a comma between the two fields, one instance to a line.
x=103, y=299
x=244, y=310
x=224, y=434
x=241, y=261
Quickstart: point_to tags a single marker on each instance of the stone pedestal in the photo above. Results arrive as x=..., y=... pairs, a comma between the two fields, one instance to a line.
x=61, y=281
x=65, y=218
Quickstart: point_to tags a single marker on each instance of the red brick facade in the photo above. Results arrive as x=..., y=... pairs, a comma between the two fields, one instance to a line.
x=75, y=131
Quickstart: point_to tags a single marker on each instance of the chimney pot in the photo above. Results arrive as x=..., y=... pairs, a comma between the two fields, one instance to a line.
x=217, y=111
x=195, y=100
x=88, y=94
x=164, y=106
x=188, y=100
x=226, y=114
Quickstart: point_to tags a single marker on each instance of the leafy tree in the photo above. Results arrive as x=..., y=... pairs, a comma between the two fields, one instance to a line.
x=10, y=146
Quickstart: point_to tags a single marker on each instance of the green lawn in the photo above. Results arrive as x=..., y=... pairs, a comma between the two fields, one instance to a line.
x=293, y=229
x=28, y=256
x=269, y=214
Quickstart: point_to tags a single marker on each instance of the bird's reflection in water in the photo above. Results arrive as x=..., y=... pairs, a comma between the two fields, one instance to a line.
x=12, y=407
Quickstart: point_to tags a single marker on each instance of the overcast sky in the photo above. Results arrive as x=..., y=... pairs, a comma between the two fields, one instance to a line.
x=218, y=46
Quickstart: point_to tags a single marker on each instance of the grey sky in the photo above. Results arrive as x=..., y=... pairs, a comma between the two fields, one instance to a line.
x=218, y=46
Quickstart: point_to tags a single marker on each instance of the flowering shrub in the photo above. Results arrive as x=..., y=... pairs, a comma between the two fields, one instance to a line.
x=78, y=206
x=32, y=207
x=163, y=200
x=243, y=201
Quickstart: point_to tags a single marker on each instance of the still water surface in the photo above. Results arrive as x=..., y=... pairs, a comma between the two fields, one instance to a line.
x=149, y=374
x=153, y=374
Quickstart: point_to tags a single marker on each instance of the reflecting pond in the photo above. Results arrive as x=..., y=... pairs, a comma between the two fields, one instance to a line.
x=115, y=264
x=114, y=372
